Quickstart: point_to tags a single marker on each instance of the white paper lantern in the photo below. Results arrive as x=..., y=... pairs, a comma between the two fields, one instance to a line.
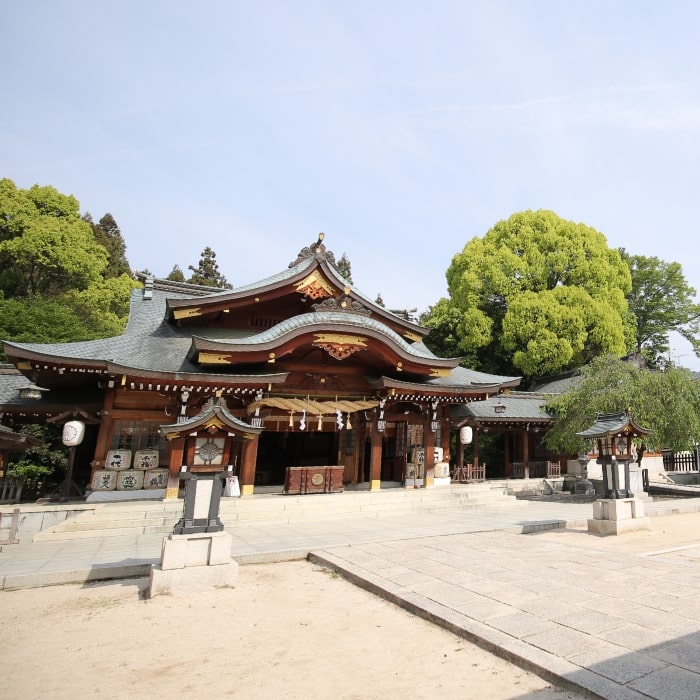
x=465, y=435
x=73, y=433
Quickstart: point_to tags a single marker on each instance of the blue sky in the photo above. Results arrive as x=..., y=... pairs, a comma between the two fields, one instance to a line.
x=401, y=129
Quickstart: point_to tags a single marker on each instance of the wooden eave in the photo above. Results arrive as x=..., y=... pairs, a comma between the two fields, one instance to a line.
x=397, y=387
x=354, y=339
x=54, y=372
x=11, y=441
x=317, y=281
x=213, y=417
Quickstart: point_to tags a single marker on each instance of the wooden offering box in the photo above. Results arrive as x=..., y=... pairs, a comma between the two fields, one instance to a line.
x=313, y=480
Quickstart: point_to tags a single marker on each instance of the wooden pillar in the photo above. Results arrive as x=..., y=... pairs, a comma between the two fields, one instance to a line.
x=445, y=441
x=104, y=433
x=177, y=450
x=375, y=465
x=429, y=465
x=509, y=468
x=526, y=453
x=475, y=451
x=358, y=437
x=248, y=460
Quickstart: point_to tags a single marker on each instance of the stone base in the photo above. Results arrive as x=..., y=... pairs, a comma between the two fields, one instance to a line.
x=193, y=563
x=616, y=516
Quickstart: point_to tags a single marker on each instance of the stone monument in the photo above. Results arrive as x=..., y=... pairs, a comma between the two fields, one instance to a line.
x=197, y=555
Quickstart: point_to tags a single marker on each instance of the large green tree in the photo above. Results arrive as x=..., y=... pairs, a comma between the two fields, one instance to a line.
x=536, y=295
x=667, y=403
x=45, y=246
x=58, y=283
x=662, y=301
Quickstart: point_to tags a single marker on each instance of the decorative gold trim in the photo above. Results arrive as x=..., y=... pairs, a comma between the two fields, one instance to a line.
x=316, y=286
x=412, y=336
x=247, y=489
x=24, y=364
x=375, y=485
x=187, y=313
x=173, y=492
x=439, y=372
x=338, y=345
x=214, y=423
x=211, y=358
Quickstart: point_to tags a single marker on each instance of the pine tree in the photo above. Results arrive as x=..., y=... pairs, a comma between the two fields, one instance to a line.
x=207, y=272
x=344, y=267
x=176, y=274
x=108, y=234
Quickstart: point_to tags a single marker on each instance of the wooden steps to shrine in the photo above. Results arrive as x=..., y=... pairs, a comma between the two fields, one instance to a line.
x=154, y=517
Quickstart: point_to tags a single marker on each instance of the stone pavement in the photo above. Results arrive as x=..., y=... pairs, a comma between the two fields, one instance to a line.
x=608, y=622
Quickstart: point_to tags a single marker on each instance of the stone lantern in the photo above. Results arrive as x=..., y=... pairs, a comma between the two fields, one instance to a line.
x=619, y=511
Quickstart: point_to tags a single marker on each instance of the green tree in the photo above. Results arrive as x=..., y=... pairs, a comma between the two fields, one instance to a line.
x=537, y=295
x=662, y=301
x=344, y=267
x=207, y=272
x=44, y=467
x=45, y=247
x=667, y=403
x=108, y=235
x=176, y=274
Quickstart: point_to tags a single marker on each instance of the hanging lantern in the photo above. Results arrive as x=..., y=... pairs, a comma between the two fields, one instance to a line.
x=465, y=435
x=73, y=433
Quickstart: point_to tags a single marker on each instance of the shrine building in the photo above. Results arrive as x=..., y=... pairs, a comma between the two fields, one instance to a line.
x=296, y=371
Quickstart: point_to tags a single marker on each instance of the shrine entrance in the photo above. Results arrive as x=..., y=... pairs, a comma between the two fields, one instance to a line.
x=279, y=450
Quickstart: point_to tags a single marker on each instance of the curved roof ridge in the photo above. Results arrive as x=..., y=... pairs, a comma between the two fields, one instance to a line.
x=335, y=318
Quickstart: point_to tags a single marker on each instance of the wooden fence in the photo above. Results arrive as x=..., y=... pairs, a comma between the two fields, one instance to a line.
x=11, y=490
x=680, y=461
x=535, y=470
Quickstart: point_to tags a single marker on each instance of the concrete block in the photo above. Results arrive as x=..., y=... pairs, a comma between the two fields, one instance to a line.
x=193, y=563
x=192, y=579
x=618, y=527
x=197, y=549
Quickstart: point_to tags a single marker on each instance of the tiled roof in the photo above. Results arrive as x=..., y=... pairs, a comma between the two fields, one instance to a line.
x=518, y=406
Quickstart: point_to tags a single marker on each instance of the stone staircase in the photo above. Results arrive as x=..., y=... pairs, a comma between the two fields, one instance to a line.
x=159, y=517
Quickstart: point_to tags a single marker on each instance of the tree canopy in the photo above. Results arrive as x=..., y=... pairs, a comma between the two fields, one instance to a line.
x=108, y=234
x=667, y=403
x=59, y=282
x=207, y=271
x=536, y=295
x=344, y=267
x=662, y=301
x=45, y=247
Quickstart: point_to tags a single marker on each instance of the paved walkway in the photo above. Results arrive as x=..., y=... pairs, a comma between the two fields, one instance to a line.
x=614, y=624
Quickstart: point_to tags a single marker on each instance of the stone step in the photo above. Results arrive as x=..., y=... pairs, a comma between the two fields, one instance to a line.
x=135, y=518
